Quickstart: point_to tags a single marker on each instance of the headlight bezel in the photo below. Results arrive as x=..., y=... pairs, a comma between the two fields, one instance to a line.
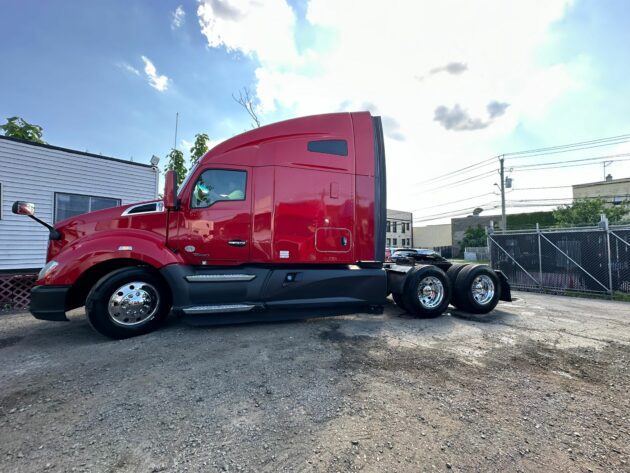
x=48, y=267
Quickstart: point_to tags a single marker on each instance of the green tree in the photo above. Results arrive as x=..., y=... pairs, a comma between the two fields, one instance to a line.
x=199, y=148
x=588, y=211
x=474, y=237
x=176, y=163
x=17, y=127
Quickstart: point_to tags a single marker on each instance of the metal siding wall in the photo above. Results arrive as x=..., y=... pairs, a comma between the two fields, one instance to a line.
x=35, y=173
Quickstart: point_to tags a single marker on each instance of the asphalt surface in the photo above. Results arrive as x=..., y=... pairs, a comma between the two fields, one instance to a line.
x=540, y=384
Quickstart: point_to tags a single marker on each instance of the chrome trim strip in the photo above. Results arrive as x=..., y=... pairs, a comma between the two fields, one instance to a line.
x=213, y=309
x=219, y=277
x=159, y=207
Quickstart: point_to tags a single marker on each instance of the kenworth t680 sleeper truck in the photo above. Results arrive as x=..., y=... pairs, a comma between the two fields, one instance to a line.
x=281, y=222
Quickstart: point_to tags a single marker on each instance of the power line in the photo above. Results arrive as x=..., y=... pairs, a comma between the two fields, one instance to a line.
x=457, y=212
x=455, y=201
x=570, y=145
x=594, y=158
x=470, y=167
x=539, y=188
x=569, y=165
x=598, y=197
x=451, y=184
x=569, y=150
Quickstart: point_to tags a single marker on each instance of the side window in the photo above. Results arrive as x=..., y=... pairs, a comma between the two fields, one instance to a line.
x=336, y=147
x=216, y=185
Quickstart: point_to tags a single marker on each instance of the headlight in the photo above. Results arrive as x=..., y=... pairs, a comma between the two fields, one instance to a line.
x=47, y=269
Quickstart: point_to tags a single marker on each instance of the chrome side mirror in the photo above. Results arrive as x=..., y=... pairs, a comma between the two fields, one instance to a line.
x=23, y=208
x=27, y=208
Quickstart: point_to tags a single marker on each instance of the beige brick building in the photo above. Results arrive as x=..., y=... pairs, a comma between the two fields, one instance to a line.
x=432, y=236
x=613, y=191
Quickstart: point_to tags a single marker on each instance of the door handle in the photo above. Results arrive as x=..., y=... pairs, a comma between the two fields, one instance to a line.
x=237, y=242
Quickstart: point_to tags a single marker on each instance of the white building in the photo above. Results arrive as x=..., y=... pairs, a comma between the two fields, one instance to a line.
x=399, y=232
x=61, y=183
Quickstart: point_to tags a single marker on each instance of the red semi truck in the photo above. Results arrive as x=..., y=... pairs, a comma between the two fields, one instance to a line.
x=283, y=221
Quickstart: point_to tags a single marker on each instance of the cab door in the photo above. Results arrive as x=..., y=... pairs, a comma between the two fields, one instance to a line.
x=215, y=226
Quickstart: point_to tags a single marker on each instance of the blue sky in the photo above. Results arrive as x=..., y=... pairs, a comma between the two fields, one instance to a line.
x=109, y=76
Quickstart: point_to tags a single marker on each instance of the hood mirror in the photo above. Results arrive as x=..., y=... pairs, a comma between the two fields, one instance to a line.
x=23, y=208
x=27, y=208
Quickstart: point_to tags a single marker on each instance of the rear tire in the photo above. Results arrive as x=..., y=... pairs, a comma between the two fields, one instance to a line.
x=128, y=302
x=452, y=274
x=427, y=292
x=477, y=289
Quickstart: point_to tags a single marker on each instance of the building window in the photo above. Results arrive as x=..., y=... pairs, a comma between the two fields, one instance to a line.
x=388, y=229
x=408, y=241
x=389, y=242
x=395, y=227
x=395, y=241
x=403, y=227
x=215, y=185
x=70, y=205
x=408, y=226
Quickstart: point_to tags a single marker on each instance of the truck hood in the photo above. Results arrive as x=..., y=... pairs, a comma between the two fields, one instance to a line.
x=142, y=216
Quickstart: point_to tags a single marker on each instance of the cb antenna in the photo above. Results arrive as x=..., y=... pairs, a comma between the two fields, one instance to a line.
x=176, y=122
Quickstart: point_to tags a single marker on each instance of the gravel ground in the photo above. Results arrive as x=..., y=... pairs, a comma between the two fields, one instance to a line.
x=538, y=385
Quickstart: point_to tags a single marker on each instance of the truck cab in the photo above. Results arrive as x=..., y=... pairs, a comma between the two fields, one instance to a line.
x=283, y=221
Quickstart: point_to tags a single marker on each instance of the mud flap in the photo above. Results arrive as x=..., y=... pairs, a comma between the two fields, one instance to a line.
x=506, y=290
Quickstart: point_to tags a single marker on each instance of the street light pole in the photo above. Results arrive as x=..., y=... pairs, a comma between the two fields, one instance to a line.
x=502, y=187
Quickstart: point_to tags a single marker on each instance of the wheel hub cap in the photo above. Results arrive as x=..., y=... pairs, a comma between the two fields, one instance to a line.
x=430, y=292
x=133, y=304
x=483, y=289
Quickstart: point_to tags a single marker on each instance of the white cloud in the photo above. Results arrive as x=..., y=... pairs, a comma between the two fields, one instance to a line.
x=264, y=29
x=178, y=17
x=157, y=81
x=129, y=68
x=407, y=59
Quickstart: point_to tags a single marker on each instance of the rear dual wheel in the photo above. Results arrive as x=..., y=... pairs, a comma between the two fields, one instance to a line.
x=427, y=292
x=476, y=289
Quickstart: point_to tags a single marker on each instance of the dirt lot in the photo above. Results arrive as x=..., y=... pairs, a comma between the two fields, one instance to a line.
x=539, y=385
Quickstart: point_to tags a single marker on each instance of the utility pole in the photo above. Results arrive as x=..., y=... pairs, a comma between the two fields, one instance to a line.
x=502, y=188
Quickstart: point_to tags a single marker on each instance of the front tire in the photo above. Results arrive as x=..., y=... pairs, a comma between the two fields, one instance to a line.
x=427, y=292
x=128, y=302
x=477, y=289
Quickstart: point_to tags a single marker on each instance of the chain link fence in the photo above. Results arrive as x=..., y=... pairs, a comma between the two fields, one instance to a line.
x=583, y=260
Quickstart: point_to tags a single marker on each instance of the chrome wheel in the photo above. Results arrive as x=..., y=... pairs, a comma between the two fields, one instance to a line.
x=430, y=292
x=482, y=289
x=133, y=304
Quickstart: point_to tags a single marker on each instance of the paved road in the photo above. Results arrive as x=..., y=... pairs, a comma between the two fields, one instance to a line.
x=538, y=385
